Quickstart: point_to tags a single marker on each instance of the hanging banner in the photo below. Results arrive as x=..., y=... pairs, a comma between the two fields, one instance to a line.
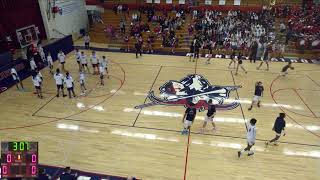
x=222, y=2
x=182, y=1
x=208, y=2
x=149, y=1
x=157, y=1
x=169, y=1
x=237, y=2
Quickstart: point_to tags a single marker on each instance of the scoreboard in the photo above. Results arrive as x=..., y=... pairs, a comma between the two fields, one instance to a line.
x=19, y=159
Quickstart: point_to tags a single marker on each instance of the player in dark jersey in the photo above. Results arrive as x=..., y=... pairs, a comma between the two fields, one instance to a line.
x=284, y=70
x=233, y=60
x=240, y=62
x=138, y=46
x=266, y=57
x=188, y=118
x=209, y=116
x=258, y=93
x=278, y=127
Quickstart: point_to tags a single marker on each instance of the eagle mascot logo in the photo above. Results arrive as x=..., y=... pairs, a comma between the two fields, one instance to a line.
x=193, y=88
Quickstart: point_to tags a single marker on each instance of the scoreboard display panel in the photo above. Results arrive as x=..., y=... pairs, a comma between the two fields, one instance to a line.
x=19, y=159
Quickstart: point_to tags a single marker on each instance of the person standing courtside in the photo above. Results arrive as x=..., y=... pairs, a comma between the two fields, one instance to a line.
x=77, y=56
x=188, y=118
x=83, y=60
x=59, y=82
x=87, y=41
x=138, y=47
x=16, y=78
x=278, y=127
x=258, y=93
x=37, y=84
x=251, y=137
x=209, y=116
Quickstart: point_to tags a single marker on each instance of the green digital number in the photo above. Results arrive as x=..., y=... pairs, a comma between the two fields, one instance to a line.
x=15, y=146
x=21, y=146
x=28, y=145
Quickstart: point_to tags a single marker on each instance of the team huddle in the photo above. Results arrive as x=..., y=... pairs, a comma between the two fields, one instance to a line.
x=99, y=65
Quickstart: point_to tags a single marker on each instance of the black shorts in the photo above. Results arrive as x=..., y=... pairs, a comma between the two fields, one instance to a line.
x=84, y=64
x=101, y=76
x=59, y=86
x=37, y=87
x=78, y=61
x=70, y=89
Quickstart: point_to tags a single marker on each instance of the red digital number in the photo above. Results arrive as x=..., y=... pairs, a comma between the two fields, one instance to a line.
x=4, y=170
x=33, y=170
x=33, y=158
x=9, y=158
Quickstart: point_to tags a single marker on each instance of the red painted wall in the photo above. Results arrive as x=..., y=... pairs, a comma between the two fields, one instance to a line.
x=15, y=14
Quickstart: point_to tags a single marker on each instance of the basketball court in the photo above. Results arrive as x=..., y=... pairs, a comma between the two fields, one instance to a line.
x=103, y=132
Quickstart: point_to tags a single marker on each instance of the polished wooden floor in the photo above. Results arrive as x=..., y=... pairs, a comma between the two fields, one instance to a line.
x=103, y=133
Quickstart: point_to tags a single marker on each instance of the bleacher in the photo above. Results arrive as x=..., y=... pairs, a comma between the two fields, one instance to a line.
x=98, y=35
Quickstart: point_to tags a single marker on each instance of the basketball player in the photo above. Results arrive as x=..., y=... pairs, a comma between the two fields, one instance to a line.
x=59, y=82
x=69, y=83
x=16, y=78
x=251, y=137
x=240, y=64
x=284, y=70
x=278, y=127
x=94, y=61
x=84, y=63
x=37, y=84
x=41, y=52
x=102, y=73
x=197, y=46
x=126, y=40
x=266, y=57
x=82, y=81
x=233, y=60
x=210, y=115
x=188, y=118
x=33, y=65
x=104, y=62
x=78, y=55
x=40, y=76
x=50, y=62
x=61, y=57
x=258, y=93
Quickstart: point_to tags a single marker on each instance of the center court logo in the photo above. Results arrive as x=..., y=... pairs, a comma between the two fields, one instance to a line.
x=192, y=88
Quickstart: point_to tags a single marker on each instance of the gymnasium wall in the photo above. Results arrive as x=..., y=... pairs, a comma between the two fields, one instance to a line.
x=15, y=14
x=72, y=18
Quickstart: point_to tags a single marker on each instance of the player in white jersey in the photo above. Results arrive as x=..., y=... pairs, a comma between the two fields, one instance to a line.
x=33, y=65
x=78, y=55
x=42, y=54
x=68, y=80
x=62, y=59
x=82, y=82
x=83, y=60
x=102, y=73
x=94, y=61
x=40, y=76
x=59, y=82
x=50, y=62
x=251, y=137
x=105, y=62
x=16, y=78
x=37, y=84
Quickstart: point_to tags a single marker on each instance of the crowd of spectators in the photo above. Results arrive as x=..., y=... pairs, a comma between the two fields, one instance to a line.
x=232, y=30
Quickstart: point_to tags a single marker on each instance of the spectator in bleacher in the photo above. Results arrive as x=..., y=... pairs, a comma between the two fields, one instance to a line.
x=66, y=175
x=122, y=26
x=43, y=175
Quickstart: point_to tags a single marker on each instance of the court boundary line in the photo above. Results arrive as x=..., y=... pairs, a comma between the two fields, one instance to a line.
x=305, y=103
x=167, y=130
x=243, y=116
x=145, y=100
x=313, y=80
